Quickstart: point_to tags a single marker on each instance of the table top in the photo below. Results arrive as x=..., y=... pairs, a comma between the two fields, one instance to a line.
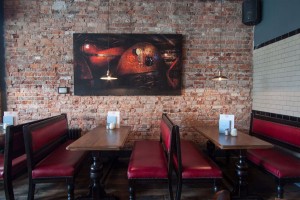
x=241, y=141
x=102, y=139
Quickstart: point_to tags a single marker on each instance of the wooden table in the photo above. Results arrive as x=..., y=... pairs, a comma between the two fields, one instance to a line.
x=97, y=140
x=241, y=142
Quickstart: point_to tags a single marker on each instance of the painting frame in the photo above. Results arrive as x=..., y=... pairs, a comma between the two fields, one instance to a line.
x=144, y=64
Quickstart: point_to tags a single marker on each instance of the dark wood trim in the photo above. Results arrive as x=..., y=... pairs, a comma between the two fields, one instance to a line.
x=284, y=119
x=2, y=61
x=277, y=39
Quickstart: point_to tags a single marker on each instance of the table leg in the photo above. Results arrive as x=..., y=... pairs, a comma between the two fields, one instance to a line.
x=96, y=187
x=211, y=149
x=242, y=173
x=96, y=173
x=241, y=189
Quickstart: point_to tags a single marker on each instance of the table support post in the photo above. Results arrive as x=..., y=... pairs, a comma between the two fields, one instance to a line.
x=96, y=174
x=242, y=173
x=211, y=149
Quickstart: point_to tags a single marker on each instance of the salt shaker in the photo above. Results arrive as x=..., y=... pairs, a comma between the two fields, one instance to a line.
x=226, y=132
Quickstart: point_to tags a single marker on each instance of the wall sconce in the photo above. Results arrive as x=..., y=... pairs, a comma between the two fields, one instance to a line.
x=63, y=90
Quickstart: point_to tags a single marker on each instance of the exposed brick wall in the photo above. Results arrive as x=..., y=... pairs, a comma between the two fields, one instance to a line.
x=39, y=58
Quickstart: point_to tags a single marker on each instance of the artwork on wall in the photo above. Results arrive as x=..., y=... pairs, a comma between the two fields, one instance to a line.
x=127, y=64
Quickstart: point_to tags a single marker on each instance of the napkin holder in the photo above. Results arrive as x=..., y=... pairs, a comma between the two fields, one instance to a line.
x=223, y=125
x=111, y=122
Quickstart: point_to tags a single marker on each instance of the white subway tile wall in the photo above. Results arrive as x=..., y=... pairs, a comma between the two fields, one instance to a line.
x=276, y=77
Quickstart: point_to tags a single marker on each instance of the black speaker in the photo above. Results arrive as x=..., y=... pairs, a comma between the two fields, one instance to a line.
x=251, y=12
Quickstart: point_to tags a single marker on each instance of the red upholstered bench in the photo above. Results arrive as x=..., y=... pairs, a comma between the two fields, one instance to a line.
x=149, y=160
x=47, y=157
x=13, y=161
x=192, y=165
x=279, y=161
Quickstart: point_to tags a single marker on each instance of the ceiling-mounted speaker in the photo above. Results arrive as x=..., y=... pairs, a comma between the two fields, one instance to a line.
x=251, y=12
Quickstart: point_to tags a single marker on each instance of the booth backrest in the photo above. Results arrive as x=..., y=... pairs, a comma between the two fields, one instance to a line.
x=14, y=140
x=282, y=132
x=167, y=127
x=44, y=133
x=43, y=137
x=14, y=163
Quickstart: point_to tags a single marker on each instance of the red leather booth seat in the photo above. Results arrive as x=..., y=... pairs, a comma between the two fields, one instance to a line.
x=48, y=159
x=147, y=161
x=14, y=158
x=192, y=165
x=275, y=161
x=281, y=132
x=60, y=163
x=279, y=161
x=195, y=164
x=17, y=165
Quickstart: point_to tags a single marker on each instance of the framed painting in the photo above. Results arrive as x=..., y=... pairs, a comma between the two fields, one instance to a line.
x=127, y=64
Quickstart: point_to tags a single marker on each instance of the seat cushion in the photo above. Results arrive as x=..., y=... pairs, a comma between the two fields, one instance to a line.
x=19, y=164
x=279, y=163
x=195, y=164
x=60, y=163
x=147, y=161
x=1, y=166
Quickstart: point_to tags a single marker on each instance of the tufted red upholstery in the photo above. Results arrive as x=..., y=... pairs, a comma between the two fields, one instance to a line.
x=277, y=162
x=196, y=164
x=1, y=166
x=277, y=131
x=60, y=163
x=147, y=161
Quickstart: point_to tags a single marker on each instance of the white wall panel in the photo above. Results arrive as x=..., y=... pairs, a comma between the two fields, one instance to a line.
x=276, y=77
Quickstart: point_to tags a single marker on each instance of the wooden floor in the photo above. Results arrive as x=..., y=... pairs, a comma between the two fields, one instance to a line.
x=117, y=184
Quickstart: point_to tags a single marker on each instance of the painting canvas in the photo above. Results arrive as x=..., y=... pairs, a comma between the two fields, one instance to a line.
x=127, y=64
